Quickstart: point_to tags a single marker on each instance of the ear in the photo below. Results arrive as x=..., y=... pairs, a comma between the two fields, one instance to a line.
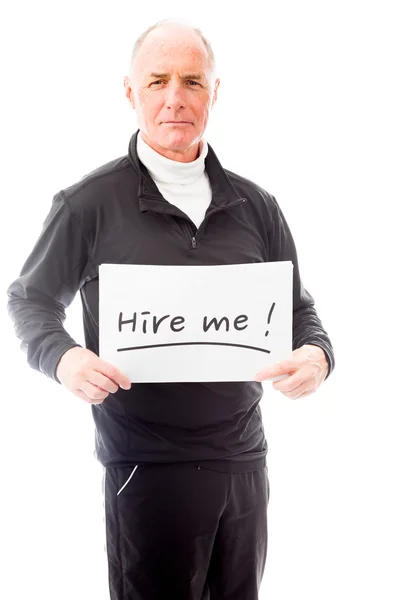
x=217, y=82
x=129, y=91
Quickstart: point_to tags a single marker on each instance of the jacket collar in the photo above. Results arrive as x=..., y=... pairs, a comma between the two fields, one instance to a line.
x=224, y=194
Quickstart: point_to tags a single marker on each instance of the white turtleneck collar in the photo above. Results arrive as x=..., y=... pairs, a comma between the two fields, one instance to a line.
x=165, y=170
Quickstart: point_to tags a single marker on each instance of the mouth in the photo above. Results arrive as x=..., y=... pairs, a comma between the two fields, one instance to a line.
x=176, y=123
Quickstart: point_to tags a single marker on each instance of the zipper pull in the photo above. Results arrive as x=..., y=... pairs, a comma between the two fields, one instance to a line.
x=194, y=245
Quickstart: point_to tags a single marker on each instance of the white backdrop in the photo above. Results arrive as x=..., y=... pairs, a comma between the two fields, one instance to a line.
x=308, y=108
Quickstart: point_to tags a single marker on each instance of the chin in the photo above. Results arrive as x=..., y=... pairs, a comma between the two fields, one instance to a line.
x=178, y=141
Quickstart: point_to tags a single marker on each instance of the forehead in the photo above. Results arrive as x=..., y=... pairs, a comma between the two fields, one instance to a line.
x=170, y=50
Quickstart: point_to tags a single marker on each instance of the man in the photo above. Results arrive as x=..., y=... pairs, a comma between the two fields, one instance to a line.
x=186, y=482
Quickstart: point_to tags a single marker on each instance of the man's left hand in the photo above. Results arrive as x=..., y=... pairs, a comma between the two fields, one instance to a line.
x=307, y=368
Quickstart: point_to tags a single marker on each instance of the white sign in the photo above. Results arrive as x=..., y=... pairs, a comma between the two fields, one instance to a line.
x=195, y=323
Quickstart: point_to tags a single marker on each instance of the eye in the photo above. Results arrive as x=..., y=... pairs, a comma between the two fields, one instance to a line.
x=189, y=81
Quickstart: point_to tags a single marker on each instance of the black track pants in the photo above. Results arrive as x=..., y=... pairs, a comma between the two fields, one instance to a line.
x=182, y=532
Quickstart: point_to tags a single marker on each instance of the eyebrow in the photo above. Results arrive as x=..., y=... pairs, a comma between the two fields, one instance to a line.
x=195, y=76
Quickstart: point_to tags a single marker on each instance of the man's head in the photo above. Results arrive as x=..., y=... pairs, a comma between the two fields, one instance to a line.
x=172, y=78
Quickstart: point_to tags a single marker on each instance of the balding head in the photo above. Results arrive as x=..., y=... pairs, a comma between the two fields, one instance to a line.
x=172, y=29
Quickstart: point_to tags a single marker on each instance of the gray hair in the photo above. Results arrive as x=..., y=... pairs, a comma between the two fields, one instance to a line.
x=141, y=38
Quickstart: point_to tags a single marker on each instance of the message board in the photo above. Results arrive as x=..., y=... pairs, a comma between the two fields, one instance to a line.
x=195, y=323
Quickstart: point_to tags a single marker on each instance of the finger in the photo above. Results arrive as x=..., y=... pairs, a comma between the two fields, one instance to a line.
x=86, y=398
x=115, y=374
x=286, y=366
x=304, y=394
x=294, y=380
x=93, y=392
x=97, y=378
x=299, y=391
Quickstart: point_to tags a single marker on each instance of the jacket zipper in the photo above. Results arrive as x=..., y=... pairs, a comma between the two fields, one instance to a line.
x=193, y=237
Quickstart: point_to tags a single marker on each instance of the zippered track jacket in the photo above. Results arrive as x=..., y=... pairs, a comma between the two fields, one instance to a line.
x=116, y=214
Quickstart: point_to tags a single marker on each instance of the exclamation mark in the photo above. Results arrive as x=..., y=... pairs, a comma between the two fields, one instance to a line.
x=269, y=317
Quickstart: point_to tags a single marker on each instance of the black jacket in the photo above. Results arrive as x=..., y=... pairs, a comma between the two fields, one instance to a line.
x=116, y=214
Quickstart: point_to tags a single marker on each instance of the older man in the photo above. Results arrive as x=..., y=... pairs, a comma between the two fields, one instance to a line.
x=186, y=483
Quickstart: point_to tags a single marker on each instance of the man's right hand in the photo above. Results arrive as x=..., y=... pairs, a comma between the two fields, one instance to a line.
x=86, y=375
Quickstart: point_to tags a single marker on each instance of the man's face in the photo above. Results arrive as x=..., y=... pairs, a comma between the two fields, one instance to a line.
x=172, y=82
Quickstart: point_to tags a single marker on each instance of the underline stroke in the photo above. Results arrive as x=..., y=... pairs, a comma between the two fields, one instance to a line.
x=194, y=344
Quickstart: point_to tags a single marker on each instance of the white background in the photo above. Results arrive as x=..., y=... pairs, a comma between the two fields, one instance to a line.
x=308, y=108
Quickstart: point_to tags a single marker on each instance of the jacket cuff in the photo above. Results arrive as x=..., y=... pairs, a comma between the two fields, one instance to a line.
x=53, y=362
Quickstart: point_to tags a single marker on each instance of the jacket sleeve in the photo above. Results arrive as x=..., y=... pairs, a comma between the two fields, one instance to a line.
x=47, y=284
x=307, y=327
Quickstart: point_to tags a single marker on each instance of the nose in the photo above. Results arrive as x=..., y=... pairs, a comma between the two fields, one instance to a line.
x=175, y=96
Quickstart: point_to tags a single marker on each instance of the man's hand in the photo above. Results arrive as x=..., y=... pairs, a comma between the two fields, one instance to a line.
x=307, y=368
x=86, y=375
